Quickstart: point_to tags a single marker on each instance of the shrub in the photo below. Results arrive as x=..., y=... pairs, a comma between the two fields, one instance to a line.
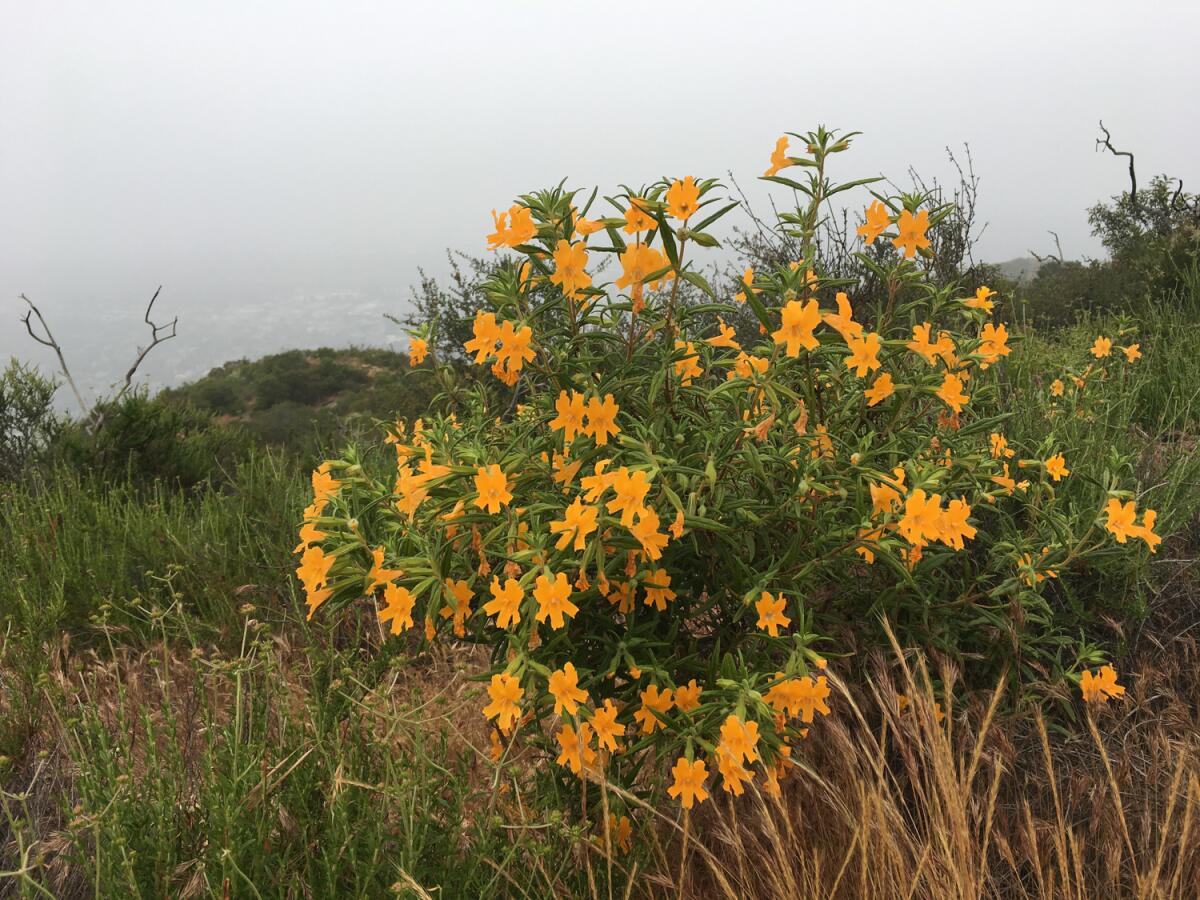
x=28, y=422
x=147, y=439
x=663, y=535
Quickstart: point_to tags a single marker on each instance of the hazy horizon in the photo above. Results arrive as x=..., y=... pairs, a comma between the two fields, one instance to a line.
x=283, y=171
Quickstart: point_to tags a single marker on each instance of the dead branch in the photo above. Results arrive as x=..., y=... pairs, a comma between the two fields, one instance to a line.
x=49, y=341
x=1106, y=143
x=158, y=334
x=1057, y=243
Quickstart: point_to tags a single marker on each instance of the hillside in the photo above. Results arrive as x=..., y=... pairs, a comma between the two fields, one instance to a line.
x=285, y=397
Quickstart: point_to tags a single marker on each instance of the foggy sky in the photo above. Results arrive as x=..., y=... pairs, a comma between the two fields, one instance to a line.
x=249, y=154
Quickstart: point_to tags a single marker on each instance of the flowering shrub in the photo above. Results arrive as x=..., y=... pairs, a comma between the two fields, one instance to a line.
x=662, y=532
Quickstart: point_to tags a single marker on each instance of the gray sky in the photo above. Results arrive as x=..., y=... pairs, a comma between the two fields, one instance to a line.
x=254, y=156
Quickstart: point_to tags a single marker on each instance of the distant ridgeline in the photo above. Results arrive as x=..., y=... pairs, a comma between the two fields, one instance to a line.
x=290, y=396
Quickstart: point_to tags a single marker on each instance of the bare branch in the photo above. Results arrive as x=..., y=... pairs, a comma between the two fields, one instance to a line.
x=1106, y=143
x=158, y=334
x=49, y=341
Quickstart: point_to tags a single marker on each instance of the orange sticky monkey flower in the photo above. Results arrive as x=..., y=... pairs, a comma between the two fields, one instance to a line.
x=770, y=613
x=505, y=604
x=554, y=600
x=951, y=392
x=570, y=416
x=569, y=262
x=579, y=520
x=399, y=608
x=876, y=222
x=864, y=354
x=682, y=197
x=1102, y=347
x=688, y=785
x=779, y=159
x=912, y=232
x=1100, y=687
x=602, y=419
x=796, y=329
x=636, y=217
x=880, y=390
x=505, y=691
x=1056, y=467
x=653, y=701
x=492, y=485
x=418, y=349
x=564, y=688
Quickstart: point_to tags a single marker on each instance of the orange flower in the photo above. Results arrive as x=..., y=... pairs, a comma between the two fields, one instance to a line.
x=658, y=589
x=1102, y=347
x=569, y=262
x=584, y=227
x=726, y=337
x=514, y=349
x=564, y=687
x=951, y=392
x=459, y=606
x=920, y=343
x=912, y=232
x=399, y=608
x=1101, y=686
x=739, y=739
x=688, y=785
x=980, y=300
x=505, y=604
x=577, y=523
x=864, y=354
x=770, y=613
x=876, y=222
x=604, y=721
x=576, y=750
x=378, y=575
x=653, y=701
x=994, y=343
x=1056, y=467
x=688, y=367
x=505, y=691
x=630, y=489
x=518, y=230
x=324, y=485
x=602, y=419
x=843, y=319
x=880, y=390
x=1056, y=388
x=1120, y=519
x=621, y=832
x=1146, y=530
x=487, y=335
x=564, y=470
x=779, y=159
x=570, y=415
x=733, y=774
x=638, y=263
x=418, y=348
x=954, y=525
x=492, y=485
x=687, y=697
x=682, y=197
x=636, y=217
x=676, y=527
x=999, y=446
x=1132, y=352
x=796, y=329
x=748, y=283
x=922, y=519
x=554, y=600
x=645, y=529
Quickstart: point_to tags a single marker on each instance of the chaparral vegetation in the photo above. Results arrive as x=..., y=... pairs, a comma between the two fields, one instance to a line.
x=853, y=570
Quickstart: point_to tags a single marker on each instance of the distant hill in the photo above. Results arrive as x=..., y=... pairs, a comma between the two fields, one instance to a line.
x=287, y=397
x=1022, y=269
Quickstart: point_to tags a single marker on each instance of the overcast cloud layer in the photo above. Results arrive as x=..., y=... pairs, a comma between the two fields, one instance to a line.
x=283, y=168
